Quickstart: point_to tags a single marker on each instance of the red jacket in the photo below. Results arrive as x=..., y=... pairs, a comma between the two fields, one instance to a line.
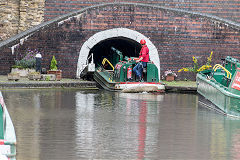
x=144, y=53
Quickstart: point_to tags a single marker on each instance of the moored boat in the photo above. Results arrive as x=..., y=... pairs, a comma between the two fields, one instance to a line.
x=221, y=86
x=121, y=78
x=7, y=133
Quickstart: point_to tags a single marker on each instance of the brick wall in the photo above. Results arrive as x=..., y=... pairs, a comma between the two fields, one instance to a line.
x=228, y=9
x=177, y=35
x=19, y=15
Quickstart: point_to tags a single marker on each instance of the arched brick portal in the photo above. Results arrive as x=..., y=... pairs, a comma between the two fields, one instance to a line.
x=116, y=32
x=177, y=35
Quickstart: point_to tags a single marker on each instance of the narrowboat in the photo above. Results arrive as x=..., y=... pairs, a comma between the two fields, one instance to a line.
x=118, y=75
x=221, y=87
x=7, y=134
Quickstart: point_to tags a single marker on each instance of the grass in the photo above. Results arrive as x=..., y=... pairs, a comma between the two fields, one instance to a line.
x=181, y=83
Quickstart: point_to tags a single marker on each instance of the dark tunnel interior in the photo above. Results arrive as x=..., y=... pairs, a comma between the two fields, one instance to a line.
x=103, y=49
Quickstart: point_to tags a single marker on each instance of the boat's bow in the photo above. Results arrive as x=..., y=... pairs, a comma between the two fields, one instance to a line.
x=221, y=86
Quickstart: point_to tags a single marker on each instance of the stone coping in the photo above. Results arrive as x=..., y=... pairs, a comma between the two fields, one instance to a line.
x=181, y=86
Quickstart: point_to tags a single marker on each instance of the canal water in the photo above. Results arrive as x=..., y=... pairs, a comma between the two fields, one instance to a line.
x=61, y=124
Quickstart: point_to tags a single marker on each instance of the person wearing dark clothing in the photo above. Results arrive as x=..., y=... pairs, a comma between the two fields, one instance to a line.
x=38, y=62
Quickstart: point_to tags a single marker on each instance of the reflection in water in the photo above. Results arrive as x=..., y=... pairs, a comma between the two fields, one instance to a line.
x=97, y=128
x=25, y=113
x=72, y=124
x=236, y=145
x=144, y=103
x=84, y=121
x=36, y=100
x=218, y=141
x=221, y=133
x=142, y=130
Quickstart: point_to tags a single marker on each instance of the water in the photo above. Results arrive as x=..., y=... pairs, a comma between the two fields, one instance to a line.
x=59, y=124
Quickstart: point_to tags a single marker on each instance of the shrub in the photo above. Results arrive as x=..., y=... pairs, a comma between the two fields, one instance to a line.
x=196, y=68
x=27, y=61
x=53, y=65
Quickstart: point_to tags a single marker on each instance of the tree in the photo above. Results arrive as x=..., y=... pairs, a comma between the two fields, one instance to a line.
x=53, y=65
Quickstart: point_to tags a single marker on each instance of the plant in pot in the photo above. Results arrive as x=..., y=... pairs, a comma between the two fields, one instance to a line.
x=13, y=76
x=170, y=75
x=34, y=76
x=24, y=63
x=54, y=69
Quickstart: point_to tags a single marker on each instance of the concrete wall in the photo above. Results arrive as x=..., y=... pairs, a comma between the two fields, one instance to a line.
x=177, y=35
x=19, y=15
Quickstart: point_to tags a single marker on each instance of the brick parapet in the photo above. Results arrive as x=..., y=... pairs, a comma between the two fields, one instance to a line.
x=227, y=9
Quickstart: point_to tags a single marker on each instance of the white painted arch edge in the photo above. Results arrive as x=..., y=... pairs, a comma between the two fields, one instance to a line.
x=111, y=33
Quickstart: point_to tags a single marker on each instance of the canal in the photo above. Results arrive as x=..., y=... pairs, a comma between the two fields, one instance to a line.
x=60, y=124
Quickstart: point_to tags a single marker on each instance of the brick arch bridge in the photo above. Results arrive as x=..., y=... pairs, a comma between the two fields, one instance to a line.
x=113, y=33
x=175, y=35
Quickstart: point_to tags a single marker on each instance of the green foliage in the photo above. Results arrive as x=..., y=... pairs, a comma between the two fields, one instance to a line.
x=196, y=68
x=53, y=65
x=47, y=78
x=27, y=60
x=15, y=66
x=24, y=63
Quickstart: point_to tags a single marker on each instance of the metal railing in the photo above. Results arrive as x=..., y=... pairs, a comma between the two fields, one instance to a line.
x=229, y=75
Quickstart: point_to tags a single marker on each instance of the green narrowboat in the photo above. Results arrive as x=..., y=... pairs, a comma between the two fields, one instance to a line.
x=118, y=75
x=7, y=133
x=221, y=86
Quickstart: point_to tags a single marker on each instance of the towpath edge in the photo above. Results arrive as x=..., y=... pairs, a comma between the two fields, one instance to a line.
x=64, y=83
x=181, y=86
x=174, y=86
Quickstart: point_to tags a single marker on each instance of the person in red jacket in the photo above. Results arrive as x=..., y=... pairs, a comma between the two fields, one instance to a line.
x=142, y=60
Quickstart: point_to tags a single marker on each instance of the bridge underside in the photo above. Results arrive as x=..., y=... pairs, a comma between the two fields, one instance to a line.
x=122, y=39
x=104, y=49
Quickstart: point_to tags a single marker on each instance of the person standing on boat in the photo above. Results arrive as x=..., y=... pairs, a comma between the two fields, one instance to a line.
x=38, y=62
x=142, y=60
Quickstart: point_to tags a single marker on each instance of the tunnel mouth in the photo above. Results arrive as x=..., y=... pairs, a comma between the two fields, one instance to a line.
x=107, y=49
x=123, y=39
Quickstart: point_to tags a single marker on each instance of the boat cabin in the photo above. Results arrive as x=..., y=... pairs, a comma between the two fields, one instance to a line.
x=223, y=73
x=120, y=69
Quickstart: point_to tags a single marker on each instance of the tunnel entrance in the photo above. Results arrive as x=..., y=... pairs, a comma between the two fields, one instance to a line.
x=123, y=39
x=108, y=48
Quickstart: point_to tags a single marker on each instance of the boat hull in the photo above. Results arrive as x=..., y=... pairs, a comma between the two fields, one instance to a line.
x=140, y=87
x=218, y=95
x=8, y=143
x=106, y=83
